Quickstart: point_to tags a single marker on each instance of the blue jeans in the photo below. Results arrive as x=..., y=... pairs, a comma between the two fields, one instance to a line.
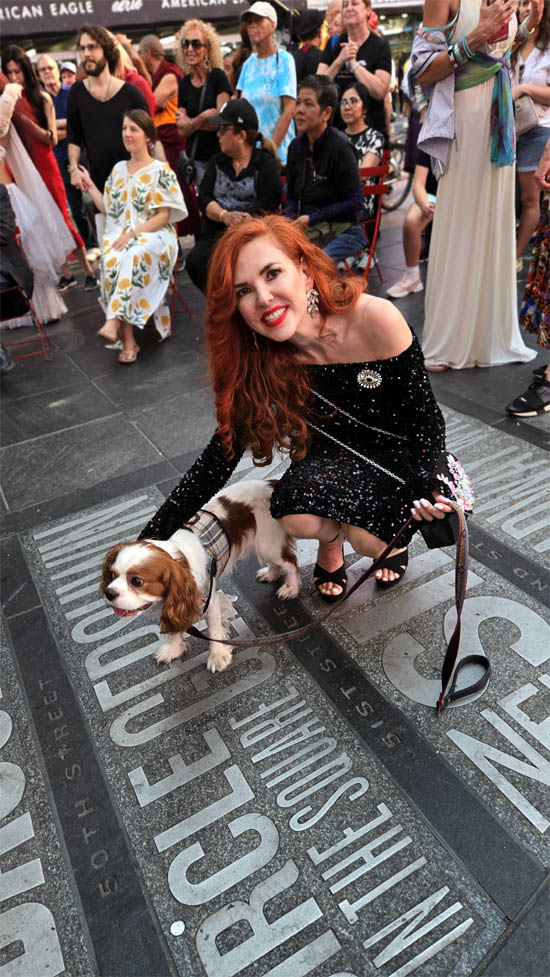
x=347, y=244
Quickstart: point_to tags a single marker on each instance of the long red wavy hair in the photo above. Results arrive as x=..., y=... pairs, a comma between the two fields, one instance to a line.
x=262, y=392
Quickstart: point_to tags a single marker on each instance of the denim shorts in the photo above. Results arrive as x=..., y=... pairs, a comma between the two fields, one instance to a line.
x=530, y=147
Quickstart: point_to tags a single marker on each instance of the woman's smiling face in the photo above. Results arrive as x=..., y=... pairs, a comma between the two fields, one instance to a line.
x=271, y=289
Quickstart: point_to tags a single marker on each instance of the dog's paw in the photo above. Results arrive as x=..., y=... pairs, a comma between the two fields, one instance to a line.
x=219, y=658
x=169, y=650
x=288, y=590
x=269, y=574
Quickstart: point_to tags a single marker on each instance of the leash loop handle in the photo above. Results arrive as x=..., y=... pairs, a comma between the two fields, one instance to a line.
x=449, y=669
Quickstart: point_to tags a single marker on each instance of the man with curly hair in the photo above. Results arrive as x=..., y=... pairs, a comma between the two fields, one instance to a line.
x=96, y=106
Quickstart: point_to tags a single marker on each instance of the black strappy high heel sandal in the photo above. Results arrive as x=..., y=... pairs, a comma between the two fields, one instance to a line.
x=338, y=576
x=397, y=563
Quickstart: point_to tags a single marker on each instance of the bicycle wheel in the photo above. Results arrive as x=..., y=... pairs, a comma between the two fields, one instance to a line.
x=399, y=182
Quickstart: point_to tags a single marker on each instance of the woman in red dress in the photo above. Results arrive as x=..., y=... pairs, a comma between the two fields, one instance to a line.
x=39, y=135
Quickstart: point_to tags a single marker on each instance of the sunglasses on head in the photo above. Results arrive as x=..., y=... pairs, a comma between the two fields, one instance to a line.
x=195, y=43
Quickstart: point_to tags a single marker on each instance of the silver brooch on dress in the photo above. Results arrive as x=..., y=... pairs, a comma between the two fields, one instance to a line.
x=369, y=379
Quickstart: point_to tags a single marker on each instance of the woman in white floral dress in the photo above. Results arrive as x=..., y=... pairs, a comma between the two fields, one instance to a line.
x=141, y=202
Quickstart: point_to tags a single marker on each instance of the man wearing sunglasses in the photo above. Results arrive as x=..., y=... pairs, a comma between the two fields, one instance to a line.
x=165, y=78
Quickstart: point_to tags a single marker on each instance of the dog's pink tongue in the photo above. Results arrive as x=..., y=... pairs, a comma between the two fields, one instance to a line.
x=121, y=613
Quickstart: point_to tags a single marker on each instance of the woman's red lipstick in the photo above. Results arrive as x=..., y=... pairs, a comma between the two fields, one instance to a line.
x=281, y=309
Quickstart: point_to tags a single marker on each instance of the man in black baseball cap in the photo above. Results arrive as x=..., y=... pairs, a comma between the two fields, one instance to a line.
x=237, y=112
x=240, y=181
x=308, y=30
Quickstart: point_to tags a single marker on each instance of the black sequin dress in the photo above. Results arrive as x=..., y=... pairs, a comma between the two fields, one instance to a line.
x=367, y=461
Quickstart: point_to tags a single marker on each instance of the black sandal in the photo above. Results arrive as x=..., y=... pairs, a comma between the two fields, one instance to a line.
x=397, y=563
x=338, y=576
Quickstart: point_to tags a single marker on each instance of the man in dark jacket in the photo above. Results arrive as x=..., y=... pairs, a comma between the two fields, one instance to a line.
x=323, y=186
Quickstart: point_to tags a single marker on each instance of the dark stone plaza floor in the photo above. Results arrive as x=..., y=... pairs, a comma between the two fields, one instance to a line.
x=304, y=812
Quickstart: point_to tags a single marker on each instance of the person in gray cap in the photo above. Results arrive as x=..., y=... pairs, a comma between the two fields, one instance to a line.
x=268, y=77
x=241, y=181
x=308, y=31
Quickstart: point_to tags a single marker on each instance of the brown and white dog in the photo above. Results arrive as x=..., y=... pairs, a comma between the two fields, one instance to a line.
x=174, y=574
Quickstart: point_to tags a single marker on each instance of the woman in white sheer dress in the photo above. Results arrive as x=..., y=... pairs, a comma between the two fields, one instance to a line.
x=471, y=315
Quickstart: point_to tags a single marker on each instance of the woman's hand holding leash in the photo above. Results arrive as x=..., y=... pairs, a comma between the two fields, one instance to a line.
x=439, y=509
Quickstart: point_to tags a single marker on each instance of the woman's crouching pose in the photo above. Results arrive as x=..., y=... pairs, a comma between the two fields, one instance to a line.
x=304, y=362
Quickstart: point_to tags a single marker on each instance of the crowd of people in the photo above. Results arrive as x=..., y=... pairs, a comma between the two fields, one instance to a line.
x=135, y=147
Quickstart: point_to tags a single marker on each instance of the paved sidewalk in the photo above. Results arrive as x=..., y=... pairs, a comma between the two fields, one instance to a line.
x=305, y=812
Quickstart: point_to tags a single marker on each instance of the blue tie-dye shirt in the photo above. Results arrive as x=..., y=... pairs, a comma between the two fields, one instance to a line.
x=263, y=81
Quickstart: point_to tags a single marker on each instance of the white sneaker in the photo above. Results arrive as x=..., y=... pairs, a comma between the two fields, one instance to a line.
x=405, y=286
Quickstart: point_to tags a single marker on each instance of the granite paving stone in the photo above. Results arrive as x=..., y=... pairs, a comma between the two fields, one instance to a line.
x=76, y=458
x=182, y=424
x=44, y=413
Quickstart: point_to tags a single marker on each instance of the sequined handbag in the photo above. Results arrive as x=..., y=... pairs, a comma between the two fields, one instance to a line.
x=455, y=485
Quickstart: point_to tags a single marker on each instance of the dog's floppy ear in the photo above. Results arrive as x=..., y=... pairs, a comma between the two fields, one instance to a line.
x=181, y=606
x=107, y=564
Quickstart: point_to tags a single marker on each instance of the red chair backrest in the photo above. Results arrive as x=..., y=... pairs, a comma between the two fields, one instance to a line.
x=378, y=173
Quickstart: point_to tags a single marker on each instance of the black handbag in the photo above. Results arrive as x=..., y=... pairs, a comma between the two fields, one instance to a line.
x=187, y=171
x=454, y=485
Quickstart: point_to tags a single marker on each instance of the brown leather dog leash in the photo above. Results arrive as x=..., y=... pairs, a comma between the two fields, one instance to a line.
x=449, y=672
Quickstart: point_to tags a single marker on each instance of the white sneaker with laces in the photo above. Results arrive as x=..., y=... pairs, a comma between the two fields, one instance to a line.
x=405, y=286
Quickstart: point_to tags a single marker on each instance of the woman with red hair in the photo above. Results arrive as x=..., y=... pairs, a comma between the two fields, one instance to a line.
x=303, y=362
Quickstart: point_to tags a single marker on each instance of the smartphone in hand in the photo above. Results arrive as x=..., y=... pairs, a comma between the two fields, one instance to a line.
x=501, y=34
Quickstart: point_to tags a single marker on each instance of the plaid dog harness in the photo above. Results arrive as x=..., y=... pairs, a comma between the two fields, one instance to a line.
x=216, y=542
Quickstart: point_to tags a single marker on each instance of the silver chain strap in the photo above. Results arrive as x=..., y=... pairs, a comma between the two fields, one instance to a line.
x=350, y=417
x=354, y=452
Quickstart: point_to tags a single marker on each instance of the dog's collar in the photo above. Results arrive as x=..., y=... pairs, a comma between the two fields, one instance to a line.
x=215, y=541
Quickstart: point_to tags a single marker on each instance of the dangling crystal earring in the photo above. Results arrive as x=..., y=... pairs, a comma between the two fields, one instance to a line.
x=255, y=340
x=312, y=299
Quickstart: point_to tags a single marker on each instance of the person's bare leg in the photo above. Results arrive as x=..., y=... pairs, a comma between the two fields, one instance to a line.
x=130, y=348
x=530, y=211
x=414, y=224
x=366, y=544
x=110, y=329
x=328, y=532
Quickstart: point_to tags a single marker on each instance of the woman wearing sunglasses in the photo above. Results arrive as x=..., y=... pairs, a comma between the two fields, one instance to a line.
x=202, y=91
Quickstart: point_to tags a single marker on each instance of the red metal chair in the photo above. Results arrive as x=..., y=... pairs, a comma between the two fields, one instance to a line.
x=372, y=226
x=42, y=337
